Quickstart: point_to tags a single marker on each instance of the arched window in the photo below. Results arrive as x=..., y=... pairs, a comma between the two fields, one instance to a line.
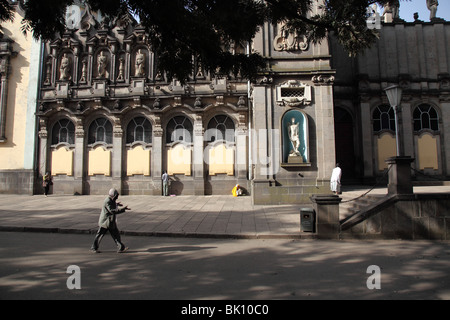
x=220, y=127
x=425, y=117
x=100, y=130
x=63, y=131
x=139, y=130
x=179, y=128
x=383, y=118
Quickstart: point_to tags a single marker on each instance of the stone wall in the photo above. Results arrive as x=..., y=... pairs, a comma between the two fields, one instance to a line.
x=415, y=216
x=17, y=182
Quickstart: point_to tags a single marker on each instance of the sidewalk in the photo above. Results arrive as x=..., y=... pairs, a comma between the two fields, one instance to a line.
x=219, y=216
x=189, y=216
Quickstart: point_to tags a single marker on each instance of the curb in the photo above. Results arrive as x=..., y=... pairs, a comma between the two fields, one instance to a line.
x=298, y=236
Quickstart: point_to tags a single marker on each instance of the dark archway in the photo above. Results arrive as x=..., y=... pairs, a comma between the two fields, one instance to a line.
x=345, y=142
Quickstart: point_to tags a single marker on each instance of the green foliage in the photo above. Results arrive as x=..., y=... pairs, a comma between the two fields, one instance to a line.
x=209, y=29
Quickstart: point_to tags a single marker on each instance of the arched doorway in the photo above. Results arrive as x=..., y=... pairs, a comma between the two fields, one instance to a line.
x=344, y=142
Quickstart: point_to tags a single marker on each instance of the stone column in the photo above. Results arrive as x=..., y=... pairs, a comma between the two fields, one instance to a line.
x=157, y=157
x=43, y=147
x=327, y=215
x=79, y=157
x=407, y=132
x=4, y=66
x=445, y=125
x=241, y=153
x=117, y=155
x=326, y=154
x=241, y=147
x=366, y=130
x=263, y=163
x=198, y=163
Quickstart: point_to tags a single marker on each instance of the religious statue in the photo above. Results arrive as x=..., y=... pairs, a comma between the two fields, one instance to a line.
x=432, y=6
x=391, y=10
x=140, y=64
x=120, y=77
x=64, y=68
x=83, y=71
x=48, y=72
x=293, y=132
x=101, y=65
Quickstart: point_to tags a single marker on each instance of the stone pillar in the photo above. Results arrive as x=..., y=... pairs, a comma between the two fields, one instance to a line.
x=327, y=215
x=199, y=168
x=79, y=156
x=117, y=155
x=445, y=107
x=400, y=175
x=366, y=130
x=241, y=153
x=324, y=118
x=43, y=146
x=407, y=132
x=157, y=156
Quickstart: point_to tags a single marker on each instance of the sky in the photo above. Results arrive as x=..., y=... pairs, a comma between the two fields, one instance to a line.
x=407, y=9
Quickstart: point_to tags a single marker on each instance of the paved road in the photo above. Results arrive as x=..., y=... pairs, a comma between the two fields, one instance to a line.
x=34, y=266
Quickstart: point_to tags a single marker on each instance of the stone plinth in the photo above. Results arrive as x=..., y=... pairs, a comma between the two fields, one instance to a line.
x=400, y=175
x=327, y=215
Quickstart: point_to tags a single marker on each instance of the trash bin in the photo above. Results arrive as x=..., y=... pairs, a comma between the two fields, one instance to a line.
x=307, y=219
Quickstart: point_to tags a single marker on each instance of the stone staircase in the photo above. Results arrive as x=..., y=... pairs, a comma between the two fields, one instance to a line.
x=355, y=202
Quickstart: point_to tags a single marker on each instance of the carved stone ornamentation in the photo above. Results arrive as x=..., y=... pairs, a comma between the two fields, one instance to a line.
x=293, y=93
x=286, y=41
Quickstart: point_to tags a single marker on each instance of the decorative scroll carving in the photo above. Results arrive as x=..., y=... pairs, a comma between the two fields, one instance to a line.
x=286, y=41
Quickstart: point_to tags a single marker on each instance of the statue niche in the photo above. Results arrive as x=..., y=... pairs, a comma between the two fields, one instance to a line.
x=295, y=137
x=65, y=67
x=139, y=64
x=102, y=65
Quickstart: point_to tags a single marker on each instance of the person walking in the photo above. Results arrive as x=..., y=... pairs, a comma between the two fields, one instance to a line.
x=165, y=182
x=335, y=181
x=47, y=182
x=108, y=222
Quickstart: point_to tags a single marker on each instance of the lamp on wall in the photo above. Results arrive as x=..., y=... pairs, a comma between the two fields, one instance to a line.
x=394, y=94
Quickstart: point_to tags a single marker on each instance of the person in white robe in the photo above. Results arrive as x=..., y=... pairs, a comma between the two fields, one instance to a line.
x=335, y=181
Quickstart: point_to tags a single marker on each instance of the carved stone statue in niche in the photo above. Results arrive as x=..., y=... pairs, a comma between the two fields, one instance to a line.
x=83, y=78
x=120, y=76
x=48, y=72
x=64, y=68
x=140, y=64
x=102, y=62
x=294, y=138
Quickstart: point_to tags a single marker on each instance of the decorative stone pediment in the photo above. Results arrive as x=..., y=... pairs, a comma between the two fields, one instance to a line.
x=293, y=93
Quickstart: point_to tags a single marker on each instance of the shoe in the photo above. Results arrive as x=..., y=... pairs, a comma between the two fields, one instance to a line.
x=95, y=250
x=122, y=250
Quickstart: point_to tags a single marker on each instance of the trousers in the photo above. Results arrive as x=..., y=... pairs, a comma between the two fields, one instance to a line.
x=165, y=188
x=115, y=234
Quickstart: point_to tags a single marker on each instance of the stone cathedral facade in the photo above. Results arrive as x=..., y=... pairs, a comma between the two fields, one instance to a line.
x=106, y=117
